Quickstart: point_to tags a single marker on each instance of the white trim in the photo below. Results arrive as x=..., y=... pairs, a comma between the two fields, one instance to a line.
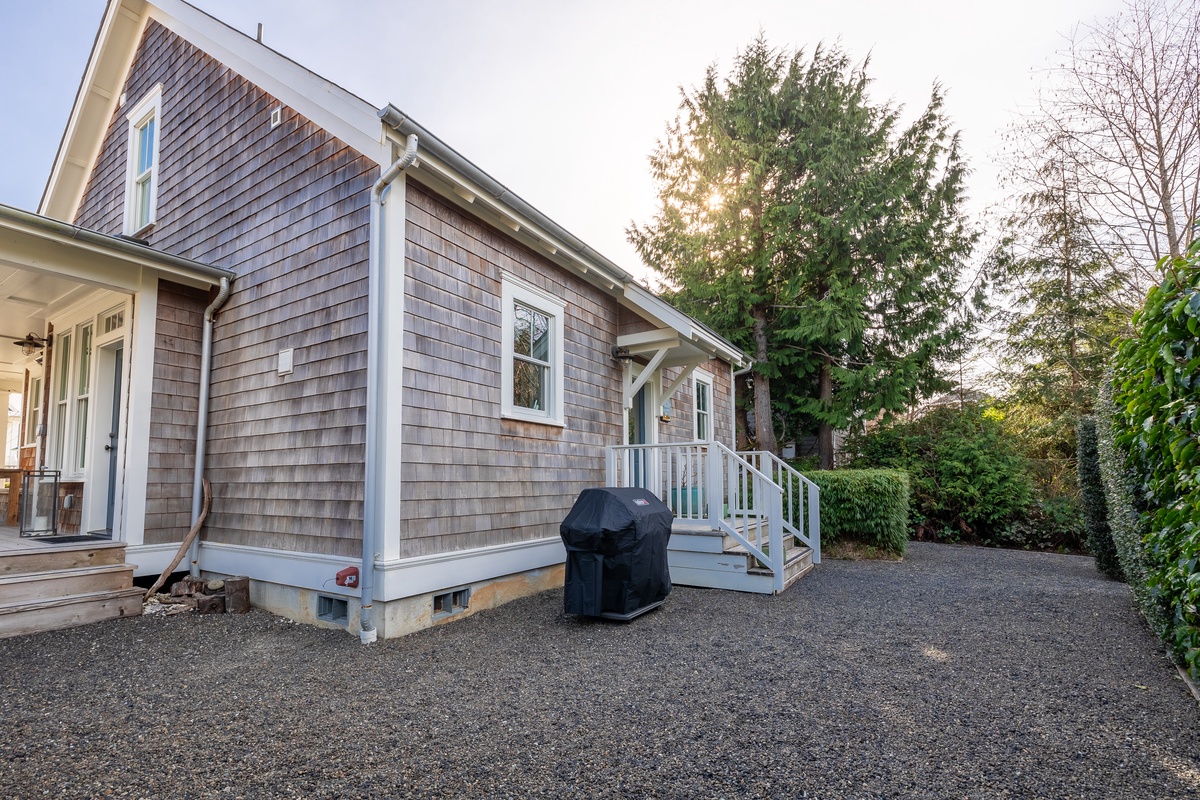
x=390, y=457
x=148, y=109
x=139, y=355
x=409, y=577
x=700, y=376
x=514, y=290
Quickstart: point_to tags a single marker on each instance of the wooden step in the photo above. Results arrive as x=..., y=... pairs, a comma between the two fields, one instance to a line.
x=18, y=619
x=796, y=565
x=49, y=584
x=61, y=556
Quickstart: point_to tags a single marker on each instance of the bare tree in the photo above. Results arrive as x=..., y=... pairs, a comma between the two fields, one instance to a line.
x=1122, y=111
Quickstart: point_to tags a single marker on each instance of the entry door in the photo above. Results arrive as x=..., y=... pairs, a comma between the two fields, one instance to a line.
x=114, y=432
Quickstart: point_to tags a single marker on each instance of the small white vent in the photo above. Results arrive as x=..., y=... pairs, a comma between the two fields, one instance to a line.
x=112, y=321
x=277, y=117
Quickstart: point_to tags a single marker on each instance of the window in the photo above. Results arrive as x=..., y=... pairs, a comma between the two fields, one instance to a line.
x=61, y=394
x=35, y=411
x=532, y=369
x=83, y=393
x=702, y=395
x=141, y=188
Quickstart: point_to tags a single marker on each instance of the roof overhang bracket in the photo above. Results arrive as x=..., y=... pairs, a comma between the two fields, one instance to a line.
x=632, y=387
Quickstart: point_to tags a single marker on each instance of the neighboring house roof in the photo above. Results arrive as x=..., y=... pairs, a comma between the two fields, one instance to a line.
x=376, y=133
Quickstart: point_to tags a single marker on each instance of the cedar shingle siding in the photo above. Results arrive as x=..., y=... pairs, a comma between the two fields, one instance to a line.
x=470, y=478
x=287, y=210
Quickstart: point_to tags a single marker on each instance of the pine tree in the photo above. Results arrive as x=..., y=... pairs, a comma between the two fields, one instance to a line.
x=797, y=219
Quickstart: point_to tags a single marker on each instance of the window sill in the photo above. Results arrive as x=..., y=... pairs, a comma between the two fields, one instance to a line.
x=536, y=420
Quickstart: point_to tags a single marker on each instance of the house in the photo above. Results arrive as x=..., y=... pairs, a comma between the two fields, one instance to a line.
x=395, y=373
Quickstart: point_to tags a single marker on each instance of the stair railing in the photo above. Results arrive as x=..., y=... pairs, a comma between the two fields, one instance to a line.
x=799, y=494
x=708, y=481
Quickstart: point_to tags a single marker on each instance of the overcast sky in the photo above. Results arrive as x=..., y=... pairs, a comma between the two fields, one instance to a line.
x=563, y=101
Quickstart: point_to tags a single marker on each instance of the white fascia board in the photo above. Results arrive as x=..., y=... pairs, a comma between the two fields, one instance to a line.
x=99, y=93
x=395, y=579
x=341, y=113
x=644, y=302
x=474, y=199
x=35, y=248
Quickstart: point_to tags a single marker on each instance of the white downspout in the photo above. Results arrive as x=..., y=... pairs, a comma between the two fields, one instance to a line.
x=374, y=318
x=202, y=419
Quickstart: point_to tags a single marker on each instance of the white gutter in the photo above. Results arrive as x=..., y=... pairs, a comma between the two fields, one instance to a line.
x=202, y=419
x=366, y=580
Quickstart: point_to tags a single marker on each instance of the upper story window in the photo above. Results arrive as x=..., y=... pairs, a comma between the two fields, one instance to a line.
x=141, y=186
x=702, y=407
x=532, y=352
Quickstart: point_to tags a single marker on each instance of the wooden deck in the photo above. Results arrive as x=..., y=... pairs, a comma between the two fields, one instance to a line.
x=47, y=586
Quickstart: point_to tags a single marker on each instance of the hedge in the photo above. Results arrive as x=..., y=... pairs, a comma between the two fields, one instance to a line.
x=869, y=506
x=1156, y=387
x=1091, y=496
x=1125, y=520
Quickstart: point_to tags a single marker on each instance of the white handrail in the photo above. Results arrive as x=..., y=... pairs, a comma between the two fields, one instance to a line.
x=709, y=481
x=798, y=492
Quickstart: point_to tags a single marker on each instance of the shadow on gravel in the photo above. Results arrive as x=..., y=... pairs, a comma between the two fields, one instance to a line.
x=960, y=672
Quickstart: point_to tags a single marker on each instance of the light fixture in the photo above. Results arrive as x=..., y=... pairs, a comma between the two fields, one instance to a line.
x=32, y=343
x=621, y=353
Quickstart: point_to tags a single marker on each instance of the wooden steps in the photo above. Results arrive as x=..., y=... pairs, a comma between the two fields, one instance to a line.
x=700, y=556
x=60, y=586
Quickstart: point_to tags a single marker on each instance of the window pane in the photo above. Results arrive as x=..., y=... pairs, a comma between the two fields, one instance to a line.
x=529, y=385
x=702, y=396
x=63, y=353
x=541, y=337
x=85, y=359
x=81, y=411
x=146, y=146
x=523, y=333
x=142, y=189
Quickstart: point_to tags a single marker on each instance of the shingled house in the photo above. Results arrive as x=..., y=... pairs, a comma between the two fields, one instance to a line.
x=383, y=360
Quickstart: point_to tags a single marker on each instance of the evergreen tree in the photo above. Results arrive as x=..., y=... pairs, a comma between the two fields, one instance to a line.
x=800, y=221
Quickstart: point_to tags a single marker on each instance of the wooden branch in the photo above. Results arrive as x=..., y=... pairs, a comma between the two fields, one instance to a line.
x=187, y=541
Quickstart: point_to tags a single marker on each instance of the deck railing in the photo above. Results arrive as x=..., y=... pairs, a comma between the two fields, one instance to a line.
x=708, y=481
x=800, y=495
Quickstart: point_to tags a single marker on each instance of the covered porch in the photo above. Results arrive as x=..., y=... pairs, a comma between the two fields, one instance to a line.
x=79, y=352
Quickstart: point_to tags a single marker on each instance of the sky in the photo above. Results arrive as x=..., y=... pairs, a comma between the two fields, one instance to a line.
x=563, y=101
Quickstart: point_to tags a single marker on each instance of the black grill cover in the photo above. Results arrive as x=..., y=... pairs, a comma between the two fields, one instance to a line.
x=616, y=542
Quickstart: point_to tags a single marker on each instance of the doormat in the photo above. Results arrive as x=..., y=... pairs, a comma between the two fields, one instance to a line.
x=69, y=539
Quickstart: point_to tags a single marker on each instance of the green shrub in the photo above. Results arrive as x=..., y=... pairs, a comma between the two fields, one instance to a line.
x=969, y=482
x=1095, y=509
x=1126, y=519
x=1156, y=386
x=870, y=506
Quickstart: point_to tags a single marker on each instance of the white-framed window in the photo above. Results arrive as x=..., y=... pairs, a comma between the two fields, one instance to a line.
x=532, y=353
x=141, y=185
x=702, y=394
x=35, y=411
x=62, y=368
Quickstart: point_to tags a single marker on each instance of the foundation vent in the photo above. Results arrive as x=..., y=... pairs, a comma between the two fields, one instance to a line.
x=333, y=609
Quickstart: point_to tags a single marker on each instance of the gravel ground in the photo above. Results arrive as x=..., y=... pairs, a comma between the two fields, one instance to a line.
x=960, y=673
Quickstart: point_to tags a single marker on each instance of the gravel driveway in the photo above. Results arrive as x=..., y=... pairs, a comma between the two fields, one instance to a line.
x=959, y=673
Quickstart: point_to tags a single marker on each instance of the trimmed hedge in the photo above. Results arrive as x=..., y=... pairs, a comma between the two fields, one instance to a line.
x=1091, y=496
x=870, y=506
x=1156, y=387
x=1125, y=520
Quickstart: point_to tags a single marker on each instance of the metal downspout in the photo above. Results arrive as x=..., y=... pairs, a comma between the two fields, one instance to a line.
x=202, y=418
x=366, y=581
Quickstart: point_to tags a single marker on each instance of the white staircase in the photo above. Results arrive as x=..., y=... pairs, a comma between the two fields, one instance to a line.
x=744, y=521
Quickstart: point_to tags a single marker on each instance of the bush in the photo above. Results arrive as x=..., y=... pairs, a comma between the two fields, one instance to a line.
x=1125, y=511
x=869, y=506
x=1157, y=389
x=1095, y=509
x=969, y=482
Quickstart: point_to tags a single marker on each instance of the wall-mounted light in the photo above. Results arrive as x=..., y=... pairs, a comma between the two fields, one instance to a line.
x=621, y=353
x=32, y=343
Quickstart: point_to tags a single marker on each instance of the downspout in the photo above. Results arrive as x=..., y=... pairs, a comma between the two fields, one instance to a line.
x=202, y=418
x=366, y=580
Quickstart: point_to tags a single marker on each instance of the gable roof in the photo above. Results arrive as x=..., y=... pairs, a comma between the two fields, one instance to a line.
x=376, y=133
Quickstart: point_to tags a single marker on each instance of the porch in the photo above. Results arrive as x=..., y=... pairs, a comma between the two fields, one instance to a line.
x=743, y=521
x=56, y=582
